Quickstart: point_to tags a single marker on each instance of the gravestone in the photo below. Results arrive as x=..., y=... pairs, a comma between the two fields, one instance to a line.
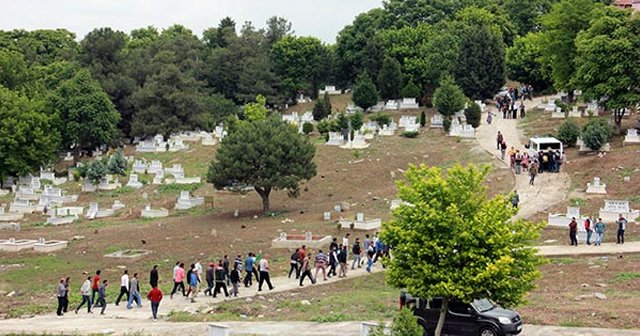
x=117, y=205
x=437, y=121
x=613, y=208
x=575, y=113
x=563, y=220
x=155, y=167
x=330, y=90
x=335, y=139
x=139, y=167
x=391, y=105
x=308, y=236
x=185, y=201
x=68, y=157
x=632, y=137
x=158, y=178
x=596, y=187
x=467, y=131
x=558, y=113
x=133, y=182
x=89, y=187
x=409, y=104
x=8, y=216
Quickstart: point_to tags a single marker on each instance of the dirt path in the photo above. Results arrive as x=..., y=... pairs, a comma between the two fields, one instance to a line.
x=548, y=189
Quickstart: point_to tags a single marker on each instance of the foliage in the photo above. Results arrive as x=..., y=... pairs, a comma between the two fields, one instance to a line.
x=327, y=103
x=29, y=136
x=458, y=243
x=411, y=90
x=307, y=128
x=117, y=164
x=266, y=155
x=473, y=113
x=95, y=171
x=298, y=61
x=448, y=97
x=446, y=124
x=381, y=118
x=524, y=61
x=365, y=94
x=319, y=110
x=410, y=134
x=357, y=120
x=390, y=79
x=342, y=122
x=568, y=132
x=87, y=116
x=324, y=126
x=596, y=132
x=256, y=111
x=405, y=324
x=606, y=62
x=423, y=119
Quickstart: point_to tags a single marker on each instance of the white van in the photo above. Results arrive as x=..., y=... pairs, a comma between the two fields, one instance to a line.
x=538, y=144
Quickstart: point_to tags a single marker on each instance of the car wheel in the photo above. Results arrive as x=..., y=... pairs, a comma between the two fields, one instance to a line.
x=488, y=331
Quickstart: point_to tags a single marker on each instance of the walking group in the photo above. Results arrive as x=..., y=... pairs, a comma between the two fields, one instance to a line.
x=598, y=228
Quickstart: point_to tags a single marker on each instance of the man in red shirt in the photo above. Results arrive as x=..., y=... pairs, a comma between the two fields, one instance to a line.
x=573, y=231
x=155, y=296
x=94, y=288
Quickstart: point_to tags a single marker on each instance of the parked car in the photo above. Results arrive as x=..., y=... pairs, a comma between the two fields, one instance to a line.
x=478, y=318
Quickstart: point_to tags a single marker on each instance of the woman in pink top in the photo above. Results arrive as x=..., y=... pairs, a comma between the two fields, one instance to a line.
x=178, y=279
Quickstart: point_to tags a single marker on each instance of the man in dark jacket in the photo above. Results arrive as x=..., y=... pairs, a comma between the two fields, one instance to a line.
x=220, y=279
x=153, y=277
x=209, y=277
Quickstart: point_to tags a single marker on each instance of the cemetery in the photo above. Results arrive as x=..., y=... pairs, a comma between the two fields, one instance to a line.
x=596, y=187
x=148, y=212
x=294, y=241
x=360, y=223
x=48, y=246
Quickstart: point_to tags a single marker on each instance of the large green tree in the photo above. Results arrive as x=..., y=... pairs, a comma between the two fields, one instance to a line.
x=453, y=241
x=88, y=119
x=365, y=94
x=390, y=79
x=266, y=155
x=298, y=61
x=524, y=62
x=29, y=137
x=448, y=97
x=607, y=62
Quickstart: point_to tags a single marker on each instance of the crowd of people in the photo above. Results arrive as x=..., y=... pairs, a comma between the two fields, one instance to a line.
x=598, y=228
x=226, y=275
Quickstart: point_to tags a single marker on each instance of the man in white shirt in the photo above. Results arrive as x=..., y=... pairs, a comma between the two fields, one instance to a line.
x=85, y=290
x=199, y=269
x=345, y=240
x=264, y=273
x=124, y=286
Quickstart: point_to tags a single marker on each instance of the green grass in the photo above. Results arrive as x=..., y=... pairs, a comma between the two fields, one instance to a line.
x=577, y=201
x=177, y=188
x=627, y=276
x=565, y=261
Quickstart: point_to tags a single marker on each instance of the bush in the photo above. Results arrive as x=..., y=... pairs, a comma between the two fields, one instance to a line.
x=596, y=133
x=381, y=118
x=423, y=119
x=307, y=128
x=117, y=164
x=357, y=120
x=411, y=90
x=319, y=110
x=568, y=132
x=559, y=103
x=473, y=113
x=324, y=126
x=412, y=135
x=406, y=324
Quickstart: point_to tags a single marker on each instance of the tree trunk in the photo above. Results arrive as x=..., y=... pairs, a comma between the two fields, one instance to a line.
x=264, y=193
x=617, y=120
x=443, y=314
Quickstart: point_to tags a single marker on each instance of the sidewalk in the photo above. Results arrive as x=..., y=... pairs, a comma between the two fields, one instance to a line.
x=583, y=249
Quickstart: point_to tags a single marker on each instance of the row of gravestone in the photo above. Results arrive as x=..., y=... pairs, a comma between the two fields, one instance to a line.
x=609, y=213
x=176, y=142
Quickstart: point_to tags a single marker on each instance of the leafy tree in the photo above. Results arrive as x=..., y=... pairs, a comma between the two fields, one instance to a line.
x=405, y=324
x=297, y=61
x=390, y=79
x=596, y=133
x=568, y=132
x=256, y=111
x=448, y=97
x=95, y=171
x=381, y=118
x=319, y=110
x=117, y=164
x=365, y=94
x=29, y=136
x=606, y=63
x=456, y=242
x=277, y=29
x=219, y=109
x=524, y=61
x=307, y=128
x=525, y=14
x=88, y=119
x=480, y=65
x=267, y=155
x=560, y=27
x=411, y=90
x=473, y=113
x=342, y=122
x=357, y=120
x=14, y=74
x=45, y=46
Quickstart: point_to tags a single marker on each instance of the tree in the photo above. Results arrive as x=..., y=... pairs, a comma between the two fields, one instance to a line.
x=480, y=65
x=455, y=242
x=606, y=62
x=319, y=110
x=266, y=155
x=473, y=113
x=357, y=120
x=525, y=14
x=307, y=128
x=411, y=90
x=365, y=94
x=88, y=119
x=14, y=74
x=277, y=28
x=524, y=62
x=29, y=137
x=256, y=111
x=95, y=171
x=298, y=61
x=117, y=164
x=390, y=79
x=448, y=97
x=405, y=324
x=568, y=132
x=560, y=27
x=596, y=133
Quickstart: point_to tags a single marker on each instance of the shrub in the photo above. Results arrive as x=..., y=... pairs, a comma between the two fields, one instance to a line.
x=569, y=132
x=307, y=128
x=473, y=113
x=405, y=324
x=596, y=133
x=324, y=126
x=117, y=164
x=357, y=120
x=319, y=110
x=411, y=90
x=407, y=134
x=381, y=118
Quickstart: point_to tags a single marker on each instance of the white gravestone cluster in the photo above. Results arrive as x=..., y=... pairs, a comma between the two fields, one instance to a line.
x=596, y=187
x=632, y=137
x=613, y=208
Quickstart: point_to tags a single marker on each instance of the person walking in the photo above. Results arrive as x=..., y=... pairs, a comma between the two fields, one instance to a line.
x=209, y=277
x=178, y=279
x=588, y=226
x=515, y=199
x=573, y=231
x=95, y=287
x=499, y=140
x=124, y=287
x=293, y=261
x=489, y=117
x=522, y=108
x=155, y=296
x=264, y=273
x=306, y=271
x=533, y=172
x=67, y=288
x=153, y=276
x=235, y=280
x=371, y=251
x=225, y=266
x=599, y=228
x=102, y=295
x=248, y=267
x=134, y=292
x=622, y=226
x=221, y=279
x=342, y=259
x=85, y=290
x=60, y=294
x=193, y=283
x=356, y=250
x=190, y=272
x=333, y=262
x=503, y=150
x=345, y=240
x=321, y=264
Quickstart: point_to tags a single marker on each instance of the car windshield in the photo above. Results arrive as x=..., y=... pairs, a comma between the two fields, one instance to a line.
x=482, y=305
